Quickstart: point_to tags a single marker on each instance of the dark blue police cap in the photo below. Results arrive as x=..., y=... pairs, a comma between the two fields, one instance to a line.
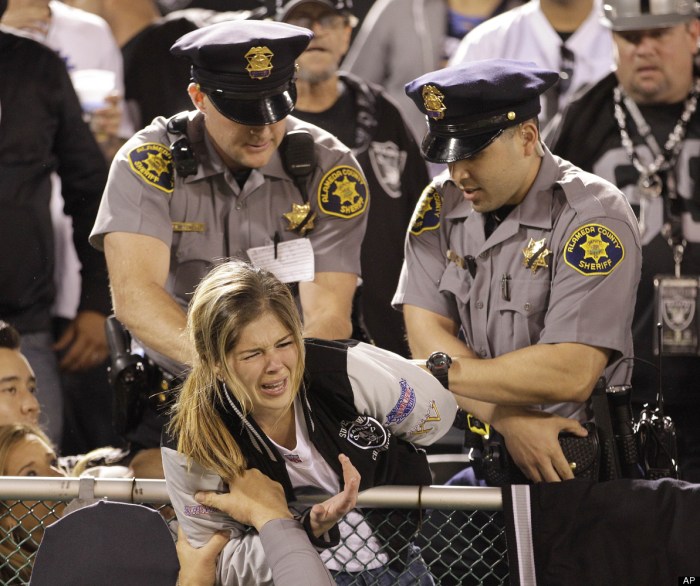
x=470, y=105
x=246, y=67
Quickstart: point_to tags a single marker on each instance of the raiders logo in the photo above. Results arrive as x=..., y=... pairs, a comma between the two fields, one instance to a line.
x=154, y=164
x=593, y=250
x=343, y=192
x=426, y=216
x=388, y=162
x=366, y=433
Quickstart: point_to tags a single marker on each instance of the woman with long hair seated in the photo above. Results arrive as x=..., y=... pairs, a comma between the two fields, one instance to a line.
x=260, y=396
x=25, y=450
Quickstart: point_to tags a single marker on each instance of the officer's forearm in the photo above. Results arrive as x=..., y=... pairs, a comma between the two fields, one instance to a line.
x=429, y=332
x=327, y=326
x=543, y=373
x=138, y=269
x=479, y=409
x=327, y=304
x=156, y=319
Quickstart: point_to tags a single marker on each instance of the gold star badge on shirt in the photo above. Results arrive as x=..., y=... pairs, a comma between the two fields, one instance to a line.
x=297, y=218
x=536, y=254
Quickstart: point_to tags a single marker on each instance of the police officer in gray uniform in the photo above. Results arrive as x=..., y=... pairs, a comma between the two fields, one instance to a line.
x=236, y=177
x=535, y=261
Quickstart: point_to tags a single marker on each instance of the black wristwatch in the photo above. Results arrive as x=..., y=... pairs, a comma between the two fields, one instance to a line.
x=438, y=364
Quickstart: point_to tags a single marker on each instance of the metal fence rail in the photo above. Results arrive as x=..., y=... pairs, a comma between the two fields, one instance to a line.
x=461, y=536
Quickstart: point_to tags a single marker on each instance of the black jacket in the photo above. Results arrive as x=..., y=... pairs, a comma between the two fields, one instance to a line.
x=41, y=131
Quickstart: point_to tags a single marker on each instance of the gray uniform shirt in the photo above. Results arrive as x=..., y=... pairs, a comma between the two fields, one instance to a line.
x=562, y=267
x=207, y=217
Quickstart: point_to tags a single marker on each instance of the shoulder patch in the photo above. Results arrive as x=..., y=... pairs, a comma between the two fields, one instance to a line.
x=426, y=216
x=593, y=250
x=343, y=192
x=154, y=163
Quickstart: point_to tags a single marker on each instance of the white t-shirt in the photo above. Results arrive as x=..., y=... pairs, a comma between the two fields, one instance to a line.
x=358, y=549
x=525, y=34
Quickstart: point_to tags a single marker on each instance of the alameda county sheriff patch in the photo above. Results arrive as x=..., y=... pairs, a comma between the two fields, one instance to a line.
x=593, y=250
x=427, y=213
x=154, y=163
x=343, y=192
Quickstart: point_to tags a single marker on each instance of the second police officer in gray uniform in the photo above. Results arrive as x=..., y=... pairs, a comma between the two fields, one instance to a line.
x=535, y=261
x=237, y=177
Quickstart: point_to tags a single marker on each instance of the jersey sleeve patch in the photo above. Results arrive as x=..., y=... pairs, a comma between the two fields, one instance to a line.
x=426, y=216
x=593, y=250
x=154, y=164
x=404, y=406
x=343, y=192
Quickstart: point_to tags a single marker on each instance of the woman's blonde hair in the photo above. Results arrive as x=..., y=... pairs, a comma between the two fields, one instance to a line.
x=229, y=298
x=18, y=552
x=12, y=434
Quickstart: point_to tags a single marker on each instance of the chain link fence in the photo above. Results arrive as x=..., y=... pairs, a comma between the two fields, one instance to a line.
x=458, y=532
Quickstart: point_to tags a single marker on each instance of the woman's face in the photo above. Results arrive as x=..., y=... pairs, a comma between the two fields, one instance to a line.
x=265, y=359
x=32, y=456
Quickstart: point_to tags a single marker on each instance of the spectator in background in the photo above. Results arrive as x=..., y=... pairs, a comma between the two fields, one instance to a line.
x=84, y=41
x=359, y=7
x=642, y=132
x=151, y=73
x=25, y=450
x=42, y=131
x=368, y=121
x=567, y=36
x=402, y=39
x=18, y=402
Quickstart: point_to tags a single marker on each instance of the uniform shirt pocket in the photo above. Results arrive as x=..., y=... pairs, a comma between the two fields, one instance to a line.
x=522, y=316
x=193, y=255
x=457, y=283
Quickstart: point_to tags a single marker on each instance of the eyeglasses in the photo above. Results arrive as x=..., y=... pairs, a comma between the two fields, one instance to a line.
x=327, y=21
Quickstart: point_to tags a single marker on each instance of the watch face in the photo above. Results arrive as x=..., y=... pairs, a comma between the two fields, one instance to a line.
x=439, y=361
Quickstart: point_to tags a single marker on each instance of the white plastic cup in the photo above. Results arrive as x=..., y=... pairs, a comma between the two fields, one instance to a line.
x=93, y=86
